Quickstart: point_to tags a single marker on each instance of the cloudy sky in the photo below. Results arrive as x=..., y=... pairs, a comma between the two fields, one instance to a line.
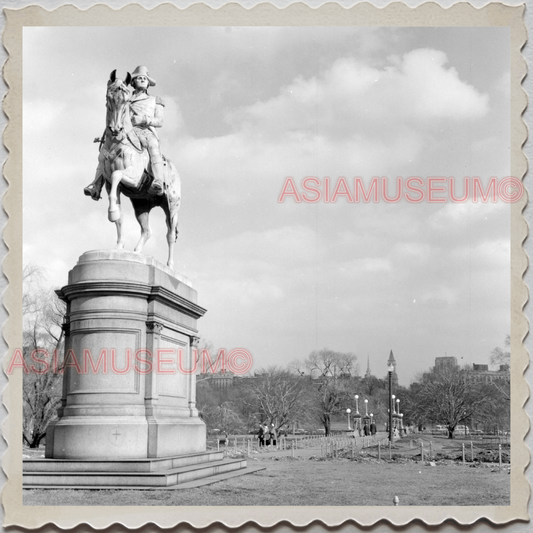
x=244, y=109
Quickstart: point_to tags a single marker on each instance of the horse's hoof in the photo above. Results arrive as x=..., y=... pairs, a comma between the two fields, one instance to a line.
x=92, y=192
x=113, y=214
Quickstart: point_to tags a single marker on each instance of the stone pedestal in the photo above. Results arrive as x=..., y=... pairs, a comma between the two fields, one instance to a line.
x=128, y=392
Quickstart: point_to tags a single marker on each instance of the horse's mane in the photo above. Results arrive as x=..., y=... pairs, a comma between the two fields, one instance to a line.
x=119, y=85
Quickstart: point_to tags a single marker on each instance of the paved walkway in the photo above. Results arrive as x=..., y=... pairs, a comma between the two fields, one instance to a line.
x=307, y=447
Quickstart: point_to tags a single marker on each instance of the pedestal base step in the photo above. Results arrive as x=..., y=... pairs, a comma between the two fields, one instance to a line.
x=173, y=476
x=185, y=485
x=158, y=464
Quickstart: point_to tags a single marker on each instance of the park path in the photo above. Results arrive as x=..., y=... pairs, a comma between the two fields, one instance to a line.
x=306, y=447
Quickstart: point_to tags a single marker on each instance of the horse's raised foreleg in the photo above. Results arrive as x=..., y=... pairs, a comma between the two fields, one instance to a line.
x=95, y=188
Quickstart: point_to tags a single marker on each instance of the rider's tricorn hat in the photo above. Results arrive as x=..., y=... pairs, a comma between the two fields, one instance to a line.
x=142, y=71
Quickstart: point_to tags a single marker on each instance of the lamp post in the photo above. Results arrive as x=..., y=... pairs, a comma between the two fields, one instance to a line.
x=398, y=417
x=357, y=416
x=366, y=419
x=348, y=411
x=390, y=368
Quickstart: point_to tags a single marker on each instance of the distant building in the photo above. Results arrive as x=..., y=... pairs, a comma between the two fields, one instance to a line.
x=392, y=361
x=218, y=379
x=445, y=362
x=483, y=374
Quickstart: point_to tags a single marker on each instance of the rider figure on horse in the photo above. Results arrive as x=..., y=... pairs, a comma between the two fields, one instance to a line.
x=146, y=115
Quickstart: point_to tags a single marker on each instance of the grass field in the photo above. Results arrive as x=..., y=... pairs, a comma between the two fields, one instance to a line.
x=308, y=481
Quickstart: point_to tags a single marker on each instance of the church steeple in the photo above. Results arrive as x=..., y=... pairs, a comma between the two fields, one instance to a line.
x=368, y=373
x=393, y=362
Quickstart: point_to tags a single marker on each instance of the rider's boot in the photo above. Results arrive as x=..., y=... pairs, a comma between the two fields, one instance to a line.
x=95, y=188
x=158, y=170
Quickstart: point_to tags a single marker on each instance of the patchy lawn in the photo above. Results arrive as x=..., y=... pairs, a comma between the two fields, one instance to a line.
x=311, y=481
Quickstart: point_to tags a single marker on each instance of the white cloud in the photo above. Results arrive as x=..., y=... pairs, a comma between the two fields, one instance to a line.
x=351, y=119
x=352, y=98
x=436, y=92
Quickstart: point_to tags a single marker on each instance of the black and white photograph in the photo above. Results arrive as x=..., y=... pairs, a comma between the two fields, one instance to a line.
x=271, y=266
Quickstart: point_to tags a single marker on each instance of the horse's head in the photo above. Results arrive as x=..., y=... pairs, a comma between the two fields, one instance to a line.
x=118, y=95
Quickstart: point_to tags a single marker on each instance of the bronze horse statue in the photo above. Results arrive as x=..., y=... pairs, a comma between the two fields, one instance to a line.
x=124, y=165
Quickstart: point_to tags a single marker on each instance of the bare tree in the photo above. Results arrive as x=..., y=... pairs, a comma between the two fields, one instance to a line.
x=297, y=367
x=276, y=396
x=501, y=356
x=330, y=371
x=371, y=385
x=227, y=418
x=327, y=363
x=452, y=395
x=43, y=314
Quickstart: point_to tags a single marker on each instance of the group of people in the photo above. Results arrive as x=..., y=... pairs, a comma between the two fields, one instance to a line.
x=367, y=429
x=267, y=435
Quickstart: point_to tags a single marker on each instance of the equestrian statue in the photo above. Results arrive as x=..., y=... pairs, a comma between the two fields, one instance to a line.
x=130, y=159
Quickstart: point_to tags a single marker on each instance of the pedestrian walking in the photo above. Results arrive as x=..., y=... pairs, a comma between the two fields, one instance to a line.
x=260, y=436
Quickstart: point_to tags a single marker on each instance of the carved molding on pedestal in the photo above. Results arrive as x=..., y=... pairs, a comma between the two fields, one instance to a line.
x=194, y=341
x=154, y=327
